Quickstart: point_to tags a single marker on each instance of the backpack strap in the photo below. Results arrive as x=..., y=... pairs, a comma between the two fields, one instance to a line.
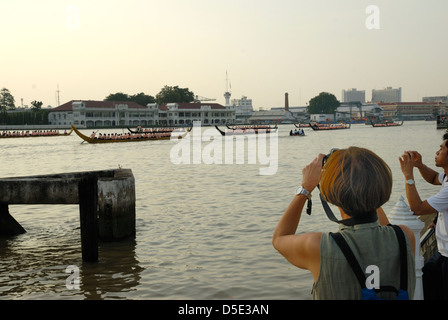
x=354, y=264
x=403, y=257
x=351, y=259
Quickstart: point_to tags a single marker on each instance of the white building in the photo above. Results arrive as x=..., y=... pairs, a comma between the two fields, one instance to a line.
x=299, y=113
x=442, y=99
x=272, y=116
x=353, y=95
x=87, y=113
x=321, y=117
x=186, y=113
x=243, y=108
x=349, y=111
x=387, y=94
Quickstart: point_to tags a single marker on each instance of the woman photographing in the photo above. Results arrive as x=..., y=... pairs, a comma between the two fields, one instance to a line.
x=358, y=182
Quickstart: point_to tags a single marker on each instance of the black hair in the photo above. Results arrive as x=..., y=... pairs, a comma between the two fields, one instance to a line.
x=445, y=137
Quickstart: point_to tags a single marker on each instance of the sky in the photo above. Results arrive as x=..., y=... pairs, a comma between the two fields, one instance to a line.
x=260, y=49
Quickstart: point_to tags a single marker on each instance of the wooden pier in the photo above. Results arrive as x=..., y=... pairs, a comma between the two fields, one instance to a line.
x=106, y=203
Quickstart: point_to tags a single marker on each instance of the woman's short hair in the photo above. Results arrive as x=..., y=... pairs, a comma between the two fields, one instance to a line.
x=357, y=180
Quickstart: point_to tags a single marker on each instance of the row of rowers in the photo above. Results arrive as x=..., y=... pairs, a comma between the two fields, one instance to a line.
x=126, y=136
x=29, y=133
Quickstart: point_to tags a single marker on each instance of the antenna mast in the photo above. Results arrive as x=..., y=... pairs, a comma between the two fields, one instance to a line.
x=227, y=94
x=57, y=96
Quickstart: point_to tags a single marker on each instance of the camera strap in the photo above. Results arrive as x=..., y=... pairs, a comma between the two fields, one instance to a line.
x=346, y=222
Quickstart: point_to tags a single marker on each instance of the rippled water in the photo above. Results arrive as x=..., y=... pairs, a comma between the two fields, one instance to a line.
x=203, y=231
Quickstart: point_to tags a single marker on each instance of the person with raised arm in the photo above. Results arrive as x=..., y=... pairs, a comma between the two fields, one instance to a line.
x=435, y=270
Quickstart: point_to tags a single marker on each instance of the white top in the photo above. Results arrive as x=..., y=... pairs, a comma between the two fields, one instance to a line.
x=440, y=203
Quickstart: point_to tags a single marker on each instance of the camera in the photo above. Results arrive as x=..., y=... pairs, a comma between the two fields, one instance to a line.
x=324, y=160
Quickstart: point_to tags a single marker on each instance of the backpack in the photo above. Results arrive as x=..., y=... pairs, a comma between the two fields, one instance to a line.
x=371, y=294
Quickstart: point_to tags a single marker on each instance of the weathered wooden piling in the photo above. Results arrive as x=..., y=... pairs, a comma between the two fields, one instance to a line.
x=106, y=203
x=8, y=225
x=88, y=216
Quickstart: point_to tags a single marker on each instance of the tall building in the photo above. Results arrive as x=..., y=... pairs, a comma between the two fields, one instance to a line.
x=443, y=99
x=353, y=95
x=386, y=95
x=243, y=108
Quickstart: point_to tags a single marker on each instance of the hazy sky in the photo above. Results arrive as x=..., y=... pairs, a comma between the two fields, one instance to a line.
x=303, y=47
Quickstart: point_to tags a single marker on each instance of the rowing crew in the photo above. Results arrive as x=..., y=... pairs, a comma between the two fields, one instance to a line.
x=154, y=130
x=29, y=133
x=130, y=136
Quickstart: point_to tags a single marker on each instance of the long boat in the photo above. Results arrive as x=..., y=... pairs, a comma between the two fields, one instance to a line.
x=32, y=133
x=385, y=124
x=129, y=137
x=326, y=127
x=302, y=125
x=158, y=130
x=246, y=130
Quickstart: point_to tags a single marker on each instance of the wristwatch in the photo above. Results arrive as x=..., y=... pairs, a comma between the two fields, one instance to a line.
x=410, y=182
x=302, y=190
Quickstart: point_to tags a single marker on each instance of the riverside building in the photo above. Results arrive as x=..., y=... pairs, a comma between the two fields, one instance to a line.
x=354, y=95
x=243, y=109
x=386, y=95
x=413, y=110
x=90, y=114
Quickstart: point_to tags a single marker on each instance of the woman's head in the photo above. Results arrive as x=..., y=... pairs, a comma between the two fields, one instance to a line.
x=357, y=180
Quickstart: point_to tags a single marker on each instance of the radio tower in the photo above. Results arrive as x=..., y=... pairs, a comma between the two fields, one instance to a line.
x=57, y=96
x=227, y=94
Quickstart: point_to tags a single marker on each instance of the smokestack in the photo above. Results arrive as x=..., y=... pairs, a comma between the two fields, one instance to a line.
x=286, y=102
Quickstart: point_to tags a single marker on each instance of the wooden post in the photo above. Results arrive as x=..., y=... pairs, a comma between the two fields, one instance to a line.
x=8, y=225
x=88, y=213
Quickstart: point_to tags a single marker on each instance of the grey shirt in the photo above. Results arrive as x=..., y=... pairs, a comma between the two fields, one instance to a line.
x=371, y=244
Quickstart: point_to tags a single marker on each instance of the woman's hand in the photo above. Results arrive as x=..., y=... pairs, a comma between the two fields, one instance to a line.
x=311, y=173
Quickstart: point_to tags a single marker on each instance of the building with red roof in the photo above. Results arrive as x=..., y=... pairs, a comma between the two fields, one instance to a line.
x=412, y=110
x=88, y=113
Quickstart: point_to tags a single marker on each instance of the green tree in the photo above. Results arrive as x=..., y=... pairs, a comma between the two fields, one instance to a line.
x=142, y=99
x=174, y=94
x=119, y=96
x=37, y=105
x=6, y=100
x=323, y=103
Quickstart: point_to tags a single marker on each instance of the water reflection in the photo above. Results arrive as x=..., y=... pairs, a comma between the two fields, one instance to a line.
x=117, y=273
x=33, y=266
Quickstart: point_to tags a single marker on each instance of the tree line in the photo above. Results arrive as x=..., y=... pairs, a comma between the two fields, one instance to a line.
x=166, y=95
x=10, y=115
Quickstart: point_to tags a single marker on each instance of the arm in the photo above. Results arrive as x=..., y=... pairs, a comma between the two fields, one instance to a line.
x=410, y=235
x=301, y=250
x=416, y=204
x=427, y=173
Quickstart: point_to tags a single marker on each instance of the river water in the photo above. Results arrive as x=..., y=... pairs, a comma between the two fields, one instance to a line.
x=203, y=231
